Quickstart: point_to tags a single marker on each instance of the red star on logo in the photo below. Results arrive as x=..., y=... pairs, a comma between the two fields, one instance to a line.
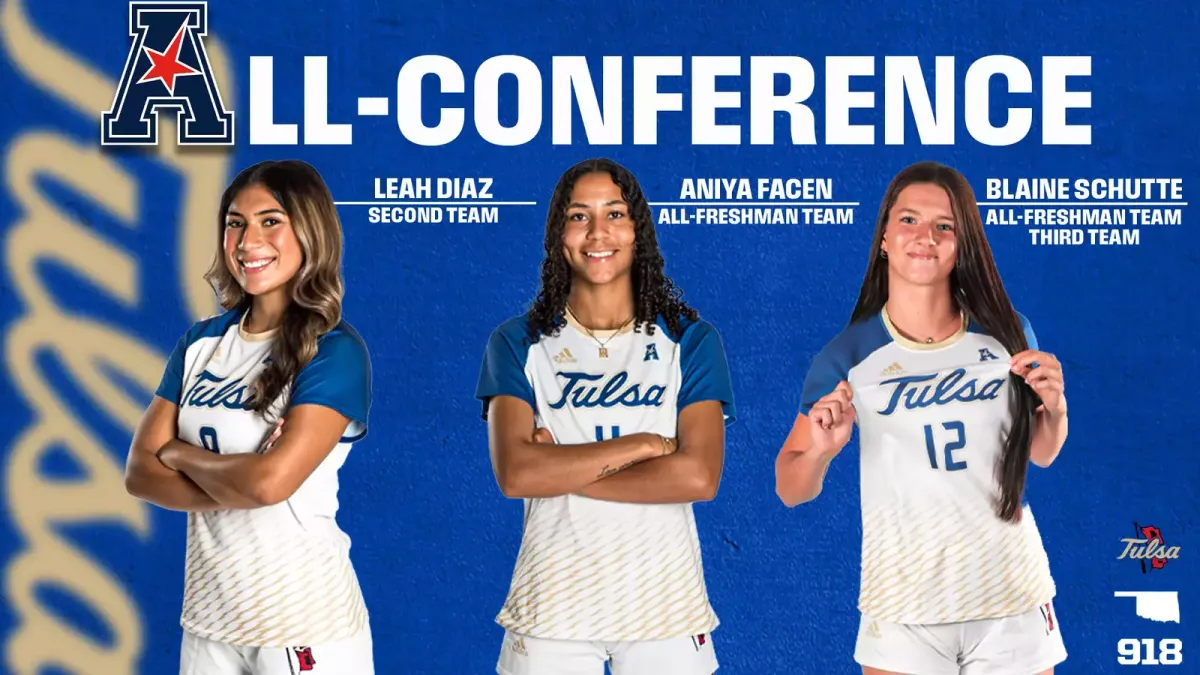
x=165, y=66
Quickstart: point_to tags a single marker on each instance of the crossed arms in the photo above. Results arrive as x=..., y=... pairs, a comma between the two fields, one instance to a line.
x=639, y=468
x=175, y=475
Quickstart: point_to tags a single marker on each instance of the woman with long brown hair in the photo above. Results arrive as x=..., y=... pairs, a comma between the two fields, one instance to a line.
x=952, y=399
x=255, y=414
x=606, y=406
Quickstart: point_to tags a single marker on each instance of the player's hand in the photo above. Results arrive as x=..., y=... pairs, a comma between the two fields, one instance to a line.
x=274, y=436
x=1043, y=373
x=832, y=419
x=543, y=436
x=669, y=445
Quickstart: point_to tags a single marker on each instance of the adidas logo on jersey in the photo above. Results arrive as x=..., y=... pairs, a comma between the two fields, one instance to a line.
x=564, y=356
x=894, y=369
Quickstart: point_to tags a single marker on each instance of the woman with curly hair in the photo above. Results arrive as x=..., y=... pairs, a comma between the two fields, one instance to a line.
x=606, y=407
x=255, y=414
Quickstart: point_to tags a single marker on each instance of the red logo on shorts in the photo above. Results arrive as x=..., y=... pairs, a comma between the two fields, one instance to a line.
x=304, y=658
x=1048, y=615
x=698, y=641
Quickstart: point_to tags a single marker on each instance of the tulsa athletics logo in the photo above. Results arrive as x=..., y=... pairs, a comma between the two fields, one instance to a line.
x=950, y=389
x=166, y=70
x=1147, y=546
x=581, y=393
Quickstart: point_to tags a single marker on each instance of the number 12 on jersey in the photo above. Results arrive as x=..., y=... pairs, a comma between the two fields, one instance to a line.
x=959, y=435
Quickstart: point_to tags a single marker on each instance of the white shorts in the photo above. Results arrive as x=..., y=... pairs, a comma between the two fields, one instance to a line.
x=524, y=655
x=1025, y=644
x=353, y=656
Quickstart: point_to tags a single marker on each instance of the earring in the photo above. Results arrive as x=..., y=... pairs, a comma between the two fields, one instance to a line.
x=883, y=254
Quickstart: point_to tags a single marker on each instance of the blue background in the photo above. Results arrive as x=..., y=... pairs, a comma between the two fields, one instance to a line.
x=435, y=541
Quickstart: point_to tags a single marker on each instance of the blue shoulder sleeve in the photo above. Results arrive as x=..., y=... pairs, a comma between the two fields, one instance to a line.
x=705, y=370
x=338, y=377
x=170, y=387
x=822, y=378
x=503, y=369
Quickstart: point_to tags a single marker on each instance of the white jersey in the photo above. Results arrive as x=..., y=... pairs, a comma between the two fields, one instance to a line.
x=600, y=570
x=278, y=575
x=931, y=420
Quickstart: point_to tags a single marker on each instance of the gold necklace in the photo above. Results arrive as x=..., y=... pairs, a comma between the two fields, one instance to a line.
x=603, y=344
x=962, y=322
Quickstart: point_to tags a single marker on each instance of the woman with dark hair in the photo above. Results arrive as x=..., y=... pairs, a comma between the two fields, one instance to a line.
x=606, y=407
x=253, y=418
x=952, y=399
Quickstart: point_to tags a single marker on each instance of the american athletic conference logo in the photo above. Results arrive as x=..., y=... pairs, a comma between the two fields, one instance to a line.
x=167, y=69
